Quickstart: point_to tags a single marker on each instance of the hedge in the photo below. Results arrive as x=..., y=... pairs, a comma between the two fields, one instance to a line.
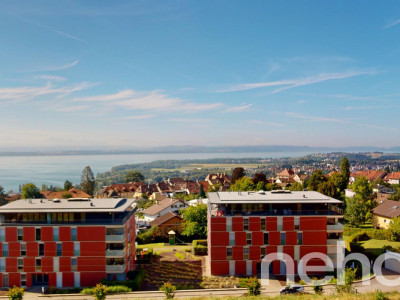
x=365, y=235
x=200, y=250
x=134, y=284
x=199, y=243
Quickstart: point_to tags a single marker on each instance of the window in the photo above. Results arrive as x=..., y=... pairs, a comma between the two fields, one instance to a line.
x=20, y=264
x=77, y=249
x=2, y=265
x=279, y=223
x=74, y=265
x=296, y=223
x=23, y=249
x=2, y=234
x=73, y=234
x=20, y=233
x=5, y=250
x=5, y=280
x=245, y=224
x=262, y=223
x=248, y=238
x=38, y=234
x=23, y=279
x=299, y=238
x=228, y=224
x=56, y=264
x=38, y=264
x=296, y=253
x=246, y=253
x=263, y=252
x=59, y=249
x=228, y=253
x=41, y=249
x=55, y=234
x=283, y=238
x=266, y=238
x=231, y=239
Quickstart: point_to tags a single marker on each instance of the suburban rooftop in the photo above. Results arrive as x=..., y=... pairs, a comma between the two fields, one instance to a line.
x=278, y=196
x=72, y=205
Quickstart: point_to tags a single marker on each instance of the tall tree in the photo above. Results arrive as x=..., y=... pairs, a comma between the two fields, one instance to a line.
x=345, y=169
x=201, y=194
x=67, y=185
x=356, y=211
x=29, y=190
x=362, y=188
x=87, y=181
x=259, y=177
x=195, y=221
x=238, y=173
x=296, y=186
x=2, y=196
x=315, y=180
x=134, y=176
x=243, y=184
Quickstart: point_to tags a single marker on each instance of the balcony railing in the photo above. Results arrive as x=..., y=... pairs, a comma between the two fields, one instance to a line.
x=333, y=241
x=115, y=253
x=275, y=212
x=115, y=238
x=335, y=227
x=115, y=268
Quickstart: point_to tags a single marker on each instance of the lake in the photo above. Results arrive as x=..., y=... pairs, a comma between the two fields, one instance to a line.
x=16, y=170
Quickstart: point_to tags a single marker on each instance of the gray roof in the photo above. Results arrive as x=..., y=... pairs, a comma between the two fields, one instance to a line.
x=68, y=205
x=281, y=196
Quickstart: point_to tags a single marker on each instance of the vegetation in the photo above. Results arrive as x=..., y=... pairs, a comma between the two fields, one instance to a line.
x=252, y=284
x=103, y=289
x=238, y=173
x=243, y=184
x=100, y=291
x=347, y=277
x=195, y=221
x=87, y=181
x=67, y=185
x=2, y=196
x=15, y=293
x=29, y=190
x=168, y=289
x=394, y=229
x=134, y=176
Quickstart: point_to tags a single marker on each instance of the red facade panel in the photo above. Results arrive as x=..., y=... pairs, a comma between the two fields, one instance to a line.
x=14, y=249
x=50, y=249
x=68, y=279
x=91, y=264
x=93, y=248
x=47, y=264
x=65, y=233
x=95, y=233
x=271, y=223
x=291, y=238
x=68, y=248
x=240, y=238
x=91, y=278
x=314, y=238
x=11, y=265
x=65, y=264
x=237, y=253
x=14, y=279
x=288, y=223
x=218, y=253
x=274, y=238
x=240, y=267
x=313, y=223
x=237, y=223
x=28, y=234
x=258, y=238
x=52, y=279
x=32, y=249
x=255, y=252
x=220, y=238
x=11, y=234
x=29, y=264
x=220, y=268
x=47, y=234
x=289, y=250
x=218, y=224
x=254, y=224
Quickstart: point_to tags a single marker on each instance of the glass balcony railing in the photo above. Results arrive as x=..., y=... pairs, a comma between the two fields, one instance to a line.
x=115, y=238
x=115, y=253
x=115, y=268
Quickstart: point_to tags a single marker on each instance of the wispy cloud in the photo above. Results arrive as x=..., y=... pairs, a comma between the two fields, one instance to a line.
x=239, y=108
x=346, y=96
x=391, y=24
x=139, y=117
x=67, y=35
x=190, y=120
x=50, y=78
x=302, y=101
x=267, y=123
x=367, y=107
x=155, y=100
x=61, y=67
x=293, y=83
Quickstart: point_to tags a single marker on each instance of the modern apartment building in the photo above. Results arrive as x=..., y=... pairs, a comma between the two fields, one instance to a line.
x=243, y=227
x=66, y=242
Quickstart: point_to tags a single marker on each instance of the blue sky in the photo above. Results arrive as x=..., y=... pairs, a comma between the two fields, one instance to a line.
x=90, y=74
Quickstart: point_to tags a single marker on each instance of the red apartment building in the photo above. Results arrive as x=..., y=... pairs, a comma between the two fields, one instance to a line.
x=66, y=242
x=245, y=226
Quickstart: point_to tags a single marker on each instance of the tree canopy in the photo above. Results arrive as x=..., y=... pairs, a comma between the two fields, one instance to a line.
x=195, y=221
x=238, y=173
x=29, y=190
x=315, y=180
x=394, y=228
x=67, y=185
x=2, y=196
x=243, y=184
x=87, y=181
x=134, y=176
x=259, y=177
x=345, y=169
x=201, y=194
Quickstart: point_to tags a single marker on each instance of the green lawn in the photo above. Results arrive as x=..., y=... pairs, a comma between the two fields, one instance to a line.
x=161, y=248
x=151, y=246
x=374, y=247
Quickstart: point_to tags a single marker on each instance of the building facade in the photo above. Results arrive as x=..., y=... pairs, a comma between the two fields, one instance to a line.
x=66, y=242
x=243, y=227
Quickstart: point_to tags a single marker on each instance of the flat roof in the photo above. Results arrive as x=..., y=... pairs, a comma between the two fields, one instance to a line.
x=280, y=196
x=67, y=205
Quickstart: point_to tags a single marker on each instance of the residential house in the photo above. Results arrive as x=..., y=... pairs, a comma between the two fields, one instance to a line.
x=72, y=193
x=393, y=178
x=220, y=179
x=385, y=212
x=120, y=190
x=162, y=207
x=300, y=178
x=168, y=219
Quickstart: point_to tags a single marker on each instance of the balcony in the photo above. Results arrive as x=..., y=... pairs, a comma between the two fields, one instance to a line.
x=333, y=241
x=115, y=253
x=115, y=268
x=335, y=227
x=115, y=238
x=275, y=212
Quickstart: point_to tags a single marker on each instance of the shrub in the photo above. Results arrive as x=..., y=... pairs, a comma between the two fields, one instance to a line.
x=348, y=277
x=180, y=255
x=15, y=293
x=168, y=290
x=100, y=292
x=135, y=284
x=118, y=289
x=252, y=284
x=200, y=250
x=199, y=243
x=379, y=295
x=318, y=289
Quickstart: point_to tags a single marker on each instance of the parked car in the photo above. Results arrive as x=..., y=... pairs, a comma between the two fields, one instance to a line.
x=294, y=289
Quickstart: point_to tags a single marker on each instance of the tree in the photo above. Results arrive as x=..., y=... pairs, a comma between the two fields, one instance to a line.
x=67, y=195
x=259, y=177
x=238, y=173
x=3, y=200
x=201, y=194
x=168, y=290
x=296, y=186
x=315, y=180
x=345, y=169
x=243, y=184
x=100, y=291
x=356, y=211
x=394, y=229
x=67, y=185
x=29, y=190
x=134, y=176
x=329, y=189
x=214, y=188
x=347, y=278
x=252, y=284
x=87, y=181
x=340, y=182
x=195, y=221
x=260, y=186
x=362, y=188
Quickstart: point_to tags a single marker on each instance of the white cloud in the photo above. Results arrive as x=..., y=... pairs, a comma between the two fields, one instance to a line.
x=292, y=83
x=239, y=108
x=50, y=78
x=267, y=123
x=302, y=101
x=139, y=117
x=391, y=24
x=190, y=120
